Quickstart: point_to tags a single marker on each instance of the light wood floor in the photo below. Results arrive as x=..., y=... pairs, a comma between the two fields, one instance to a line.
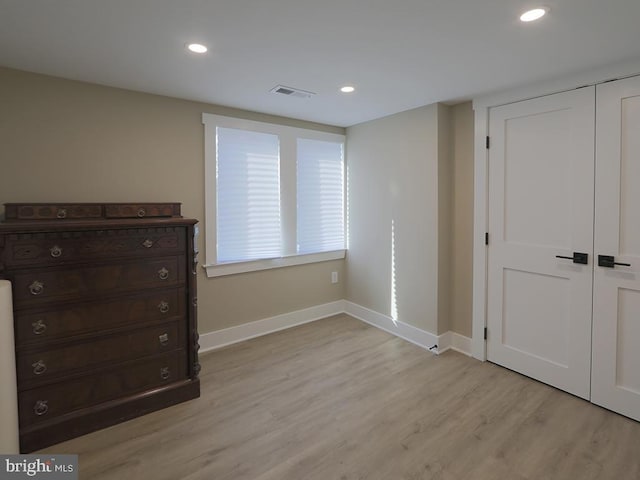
x=340, y=400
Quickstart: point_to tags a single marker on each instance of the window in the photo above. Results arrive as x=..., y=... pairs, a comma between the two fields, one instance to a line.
x=248, y=191
x=274, y=195
x=320, y=182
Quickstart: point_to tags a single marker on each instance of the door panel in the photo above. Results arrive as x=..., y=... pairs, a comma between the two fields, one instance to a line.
x=538, y=153
x=629, y=176
x=616, y=301
x=628, y=329
x=526, y=322
x=541, y=188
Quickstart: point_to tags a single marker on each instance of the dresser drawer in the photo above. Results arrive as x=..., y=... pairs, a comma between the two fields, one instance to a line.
x=36, y=287
x=59, y=248
x=53, y=211
x=95, y=317
x=88, y=211
x=40, y=404
x=141, y=210
x=47, y=364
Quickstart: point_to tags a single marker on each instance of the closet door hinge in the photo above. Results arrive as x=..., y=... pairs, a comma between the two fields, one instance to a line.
x=485, y=333
x=486, y=238
x=488, y=142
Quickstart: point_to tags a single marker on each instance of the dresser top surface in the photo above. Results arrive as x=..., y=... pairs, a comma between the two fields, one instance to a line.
x=98, y=224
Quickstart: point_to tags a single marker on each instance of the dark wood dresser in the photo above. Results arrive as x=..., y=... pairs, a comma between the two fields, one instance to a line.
x=104, y=299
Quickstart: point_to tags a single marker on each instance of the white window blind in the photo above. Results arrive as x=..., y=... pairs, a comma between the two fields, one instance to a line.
x=274, y=195
x=248, y=195
x=320, y=196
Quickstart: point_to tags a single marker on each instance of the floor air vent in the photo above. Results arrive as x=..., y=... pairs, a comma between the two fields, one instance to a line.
x=291, y=92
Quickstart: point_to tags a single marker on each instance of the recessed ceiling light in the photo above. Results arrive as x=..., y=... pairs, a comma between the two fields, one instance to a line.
x=197, y=48
x=348, y=89
x=533, y=14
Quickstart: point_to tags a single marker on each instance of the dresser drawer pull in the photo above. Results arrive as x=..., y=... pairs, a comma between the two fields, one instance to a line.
x=148, y=243
x=39, y=367
x=163, y=273
x=163, y=339
x=163, y=307
x=164, y=373
x=36, y=288
x=141, y=212
x=41, y=407
x=56, y=251
x=62, y=213
x=39, y=327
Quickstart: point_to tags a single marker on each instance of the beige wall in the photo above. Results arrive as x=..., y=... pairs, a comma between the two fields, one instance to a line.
x=69, y=141
x=415, y=170
x=72, y=141
x=392, y=166
x=462, y=224
x=445, y=210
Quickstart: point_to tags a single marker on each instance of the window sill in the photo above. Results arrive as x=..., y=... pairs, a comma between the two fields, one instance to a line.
x=222, y=269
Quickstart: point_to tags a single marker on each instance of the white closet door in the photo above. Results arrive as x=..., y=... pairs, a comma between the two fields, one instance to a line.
x=616, y=302
x=541, y=167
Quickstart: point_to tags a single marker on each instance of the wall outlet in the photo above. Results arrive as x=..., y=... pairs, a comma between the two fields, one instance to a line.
x=334, y=277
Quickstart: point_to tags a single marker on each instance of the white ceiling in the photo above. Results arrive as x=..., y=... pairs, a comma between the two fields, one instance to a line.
x=400, y=54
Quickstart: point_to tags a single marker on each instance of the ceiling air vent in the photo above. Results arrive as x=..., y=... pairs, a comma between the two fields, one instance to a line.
x=291, y=92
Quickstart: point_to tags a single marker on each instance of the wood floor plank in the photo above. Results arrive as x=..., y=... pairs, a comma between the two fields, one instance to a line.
x=339, y=399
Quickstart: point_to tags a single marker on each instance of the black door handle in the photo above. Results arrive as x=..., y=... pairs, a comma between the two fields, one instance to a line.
x=578, y=257
x=609, y=262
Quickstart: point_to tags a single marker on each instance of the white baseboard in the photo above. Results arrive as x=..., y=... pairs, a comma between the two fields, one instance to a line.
x=412, y=334
x=221, y=338
x=454, y=341
x=429, y=341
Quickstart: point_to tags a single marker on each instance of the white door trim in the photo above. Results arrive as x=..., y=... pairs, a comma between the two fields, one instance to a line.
x=481, y=108
x=480, y=226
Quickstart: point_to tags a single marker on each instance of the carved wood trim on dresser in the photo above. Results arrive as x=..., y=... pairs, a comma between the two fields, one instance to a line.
x=105, y=312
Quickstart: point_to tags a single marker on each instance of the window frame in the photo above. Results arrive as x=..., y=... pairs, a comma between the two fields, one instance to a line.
x=288, y=137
